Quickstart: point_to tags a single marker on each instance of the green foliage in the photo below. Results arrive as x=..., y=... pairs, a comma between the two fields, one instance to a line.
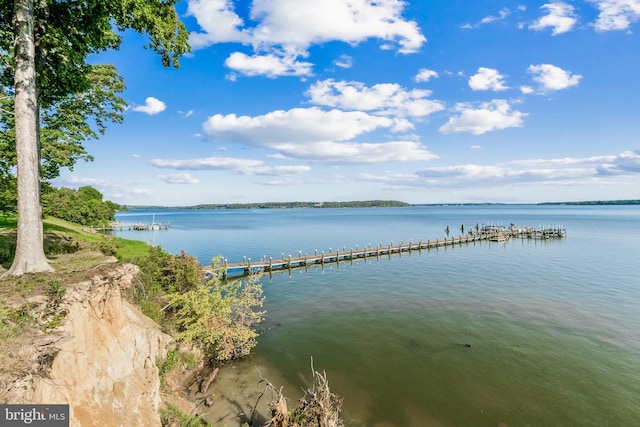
x=173, y=416
x=177, y=358
x=82, y=206
x=107, y=245
x=219, y=317
x=216, y=316
x=13, y=320
x=62, y=245
x=8, y=194
x=53, y=315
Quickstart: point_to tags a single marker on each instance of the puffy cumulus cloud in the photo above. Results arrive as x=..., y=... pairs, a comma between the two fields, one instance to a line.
x=489, y=116
x=561, y=18
x=298, y=125
x=241, y=166
x=384, y=98
x=179, y=178
x=527, y=90
x=550, y=78
x=316, y=135
x=487, y=79
x=218, y=21
x=616, y=14
x=152, y=106
x=290, y=27
x=269, y=65
x=424, y=75
x=284, y=22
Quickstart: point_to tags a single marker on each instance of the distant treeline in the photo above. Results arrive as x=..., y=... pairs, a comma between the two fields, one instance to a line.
x=288, y=205
x=596, y=202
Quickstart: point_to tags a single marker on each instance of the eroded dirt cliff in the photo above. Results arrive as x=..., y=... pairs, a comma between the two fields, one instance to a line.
x=101, y=360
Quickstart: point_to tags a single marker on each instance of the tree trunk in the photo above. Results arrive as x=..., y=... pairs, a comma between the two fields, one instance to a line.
x=30, y=257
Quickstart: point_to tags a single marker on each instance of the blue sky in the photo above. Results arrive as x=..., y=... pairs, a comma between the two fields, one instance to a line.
x=438, y=101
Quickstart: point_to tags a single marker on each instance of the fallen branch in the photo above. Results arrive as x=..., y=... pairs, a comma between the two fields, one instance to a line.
x=204, y=386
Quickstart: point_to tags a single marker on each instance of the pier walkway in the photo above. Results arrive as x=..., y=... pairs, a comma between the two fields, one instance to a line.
x=493, y=234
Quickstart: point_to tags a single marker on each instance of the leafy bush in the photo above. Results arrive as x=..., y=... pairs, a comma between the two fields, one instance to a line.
x=200, y=309
x=219, y=317
x=107, y=245
x=62, y=245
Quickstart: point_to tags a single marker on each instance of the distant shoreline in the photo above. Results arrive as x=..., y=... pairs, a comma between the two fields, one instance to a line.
x=372, y=204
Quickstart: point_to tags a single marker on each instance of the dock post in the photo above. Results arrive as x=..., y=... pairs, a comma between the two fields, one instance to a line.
x=289, y=261
x=270, y=263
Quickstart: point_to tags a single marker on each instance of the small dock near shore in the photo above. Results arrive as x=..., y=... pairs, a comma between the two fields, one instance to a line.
x=490, y=234
x=118, y=226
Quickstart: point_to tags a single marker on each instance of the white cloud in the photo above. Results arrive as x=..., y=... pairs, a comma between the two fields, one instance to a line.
x=316, y=135
x=384, y=98
x=270, y=65
x=218, y=21
x=424, y=75
x=527, y=90
x=503, y=14
x=625, y=163
x=111, y=190
x=152, y=106
x=180, y=178
x=482, y=175
x=550, y=78
x=298, y=125
x=616, y=14
x=292, y=22
x=494, y=115
x=287, y=28
x=561, y=17
x=351, y=152
x=487, y=79
x=241, y=166
x=344, y=61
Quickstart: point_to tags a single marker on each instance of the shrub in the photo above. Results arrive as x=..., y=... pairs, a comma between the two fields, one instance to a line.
x=107, y=245
x=218, y=317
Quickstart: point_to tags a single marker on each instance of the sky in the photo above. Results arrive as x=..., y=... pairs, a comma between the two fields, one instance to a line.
x=422, y=101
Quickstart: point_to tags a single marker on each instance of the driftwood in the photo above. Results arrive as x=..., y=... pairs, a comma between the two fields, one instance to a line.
x=204, y=386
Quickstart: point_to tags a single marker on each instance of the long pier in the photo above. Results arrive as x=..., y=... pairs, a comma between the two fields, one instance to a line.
x=493, y=234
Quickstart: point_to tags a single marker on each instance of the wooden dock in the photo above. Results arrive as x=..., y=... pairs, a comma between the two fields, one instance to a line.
x=118, y=226
x=494, y=234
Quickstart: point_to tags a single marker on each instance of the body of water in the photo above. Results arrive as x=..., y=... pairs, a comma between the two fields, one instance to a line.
x=526, y=332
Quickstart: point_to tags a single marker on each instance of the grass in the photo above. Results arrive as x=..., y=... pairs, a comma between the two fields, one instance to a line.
x=74, y=252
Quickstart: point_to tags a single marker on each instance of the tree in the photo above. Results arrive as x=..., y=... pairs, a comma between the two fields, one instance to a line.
x=50, y=42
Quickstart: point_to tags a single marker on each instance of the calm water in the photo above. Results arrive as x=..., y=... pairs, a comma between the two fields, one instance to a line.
x=554, y=326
